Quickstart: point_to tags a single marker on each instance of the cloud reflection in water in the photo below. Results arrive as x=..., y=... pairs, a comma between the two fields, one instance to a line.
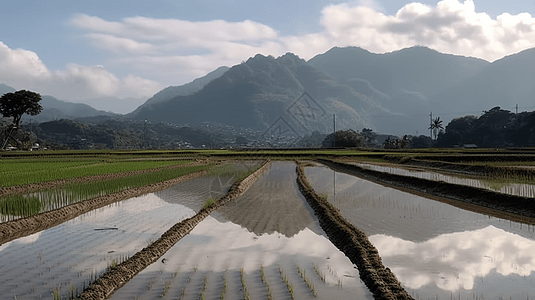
x=460, y=260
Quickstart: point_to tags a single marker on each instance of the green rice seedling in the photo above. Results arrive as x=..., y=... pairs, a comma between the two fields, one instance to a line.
x=306, y=280
x=56, y=293
x=72, y=292
x=289, y=286
x=47, y=200
x=223, y=292
x=209, y=203
x=34, y=170
x=320, y=274
x=182, y=293
x=204, y=285
x=166, y=288
x=266, y=283
x=244, y=285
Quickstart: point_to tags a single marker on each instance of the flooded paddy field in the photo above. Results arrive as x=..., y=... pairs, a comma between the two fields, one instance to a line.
x=62, y=260
x=523, y=190
x=265, y=244
x=436, y=250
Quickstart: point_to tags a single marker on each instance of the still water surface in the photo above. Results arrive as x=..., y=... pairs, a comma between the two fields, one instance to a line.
x=436, y=250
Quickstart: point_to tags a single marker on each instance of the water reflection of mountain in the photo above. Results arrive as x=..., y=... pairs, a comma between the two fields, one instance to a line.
x=193, y=193
x=489, y=260
x=273, y=204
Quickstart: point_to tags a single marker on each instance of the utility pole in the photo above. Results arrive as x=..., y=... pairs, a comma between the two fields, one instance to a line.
x=517, y=109
x=334, y=130
x=431, y=125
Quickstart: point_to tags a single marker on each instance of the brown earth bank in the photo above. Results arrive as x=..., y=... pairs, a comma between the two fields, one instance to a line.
x=26, y=226
x=116, y=277
x=23, y=189
x=520, y=206
x=354, y=244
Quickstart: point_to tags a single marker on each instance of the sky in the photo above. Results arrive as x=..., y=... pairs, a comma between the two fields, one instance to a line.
x=80, y=50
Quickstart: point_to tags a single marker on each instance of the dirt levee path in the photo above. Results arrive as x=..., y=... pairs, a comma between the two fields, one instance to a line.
x=355, y=245
x=118, y=276
x=508, y=203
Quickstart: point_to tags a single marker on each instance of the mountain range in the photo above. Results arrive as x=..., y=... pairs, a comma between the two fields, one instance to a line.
x=393, y=92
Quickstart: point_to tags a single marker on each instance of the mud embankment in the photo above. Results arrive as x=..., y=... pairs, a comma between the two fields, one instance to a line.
x=481, y=197
x=354, y=244
x=116, y=277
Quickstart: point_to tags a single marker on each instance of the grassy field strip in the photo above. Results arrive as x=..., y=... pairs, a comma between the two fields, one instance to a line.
x=26, y=226
x=115, y=278
x=15, y=206
x=354, y=243
x=14, y=173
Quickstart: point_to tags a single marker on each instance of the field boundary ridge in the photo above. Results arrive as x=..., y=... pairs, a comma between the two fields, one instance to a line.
x=353, y=243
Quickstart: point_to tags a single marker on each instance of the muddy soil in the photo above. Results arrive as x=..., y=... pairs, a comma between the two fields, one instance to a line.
x=517, y=205
x=118, y=276
x=355, y=245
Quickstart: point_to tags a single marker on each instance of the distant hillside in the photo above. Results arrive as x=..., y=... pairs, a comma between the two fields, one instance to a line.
x=54, y=109
x=405, y=81
x=505, y=83
x=187, y=89
x=260, y=92
x=4, y=89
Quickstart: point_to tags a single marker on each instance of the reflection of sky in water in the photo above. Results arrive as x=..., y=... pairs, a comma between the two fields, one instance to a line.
x=453, y=264
x=432, y=247
x=69, y=253
x=216, y=246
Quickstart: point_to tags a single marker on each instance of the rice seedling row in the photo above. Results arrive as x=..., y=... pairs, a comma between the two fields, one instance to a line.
x=21, y=172
x=17, y=206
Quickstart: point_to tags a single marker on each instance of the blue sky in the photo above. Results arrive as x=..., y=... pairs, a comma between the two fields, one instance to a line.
x=81, y=50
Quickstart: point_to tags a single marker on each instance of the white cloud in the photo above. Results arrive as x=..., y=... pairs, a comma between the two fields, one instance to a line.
x=22, y=69
x=173, y=52
x=177, y=51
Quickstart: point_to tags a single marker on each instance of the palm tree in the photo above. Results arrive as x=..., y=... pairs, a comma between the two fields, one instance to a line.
x=436, y=126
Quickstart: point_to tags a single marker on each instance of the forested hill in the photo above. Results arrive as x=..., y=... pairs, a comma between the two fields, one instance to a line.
x=256, y=93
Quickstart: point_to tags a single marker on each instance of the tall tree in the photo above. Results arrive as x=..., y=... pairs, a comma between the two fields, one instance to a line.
x=436, y=126
x=15, y=105
x=19, y=103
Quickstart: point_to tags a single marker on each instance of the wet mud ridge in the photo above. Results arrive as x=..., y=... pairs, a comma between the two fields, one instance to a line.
x=354, y=244
x=26, y=226
x=116, y=277
x=485, y=198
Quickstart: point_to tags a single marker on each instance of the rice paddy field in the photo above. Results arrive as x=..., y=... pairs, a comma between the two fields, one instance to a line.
x=435, y=249
x=266, y=243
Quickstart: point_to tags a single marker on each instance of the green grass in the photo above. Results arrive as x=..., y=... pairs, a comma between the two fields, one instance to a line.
x=73, y=193
x=208, y=203
x=34, y=170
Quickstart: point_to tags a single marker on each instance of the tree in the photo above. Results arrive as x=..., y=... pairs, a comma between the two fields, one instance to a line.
x=19, y=103
x=345, y=138
x=436, y=126
x=15, y=105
